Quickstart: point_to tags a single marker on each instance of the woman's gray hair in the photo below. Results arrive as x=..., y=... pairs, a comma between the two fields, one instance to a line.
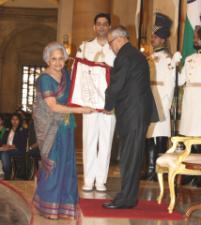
x=119, y=31
x=52, y=46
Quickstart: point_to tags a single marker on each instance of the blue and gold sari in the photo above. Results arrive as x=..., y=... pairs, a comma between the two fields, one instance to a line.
x=56, y=195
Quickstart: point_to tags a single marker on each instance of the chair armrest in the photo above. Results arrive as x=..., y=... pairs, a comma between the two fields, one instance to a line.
x=175, y=140
x=180, y=138
x=173, y=148
x=188, y=143
x=194, y=141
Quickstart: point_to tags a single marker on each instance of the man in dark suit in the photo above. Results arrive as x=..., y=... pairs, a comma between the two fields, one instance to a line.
x=130, y=95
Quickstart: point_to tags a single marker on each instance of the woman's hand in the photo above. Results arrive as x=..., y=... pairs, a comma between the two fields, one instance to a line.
x=5, y=147
x=8, y=147
x=85, y=110
x=108, y=112
x=55, y=107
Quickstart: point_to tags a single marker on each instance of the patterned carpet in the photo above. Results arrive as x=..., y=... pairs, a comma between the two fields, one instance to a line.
x=14, y=210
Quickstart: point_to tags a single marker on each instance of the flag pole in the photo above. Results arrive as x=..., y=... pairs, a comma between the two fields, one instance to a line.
x=176, y=91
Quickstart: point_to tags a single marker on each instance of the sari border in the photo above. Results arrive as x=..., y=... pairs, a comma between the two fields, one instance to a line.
x=55, y=210
x=47, y=94
x=61, y=85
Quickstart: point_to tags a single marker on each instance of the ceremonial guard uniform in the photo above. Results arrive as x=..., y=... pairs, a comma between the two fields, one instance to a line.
x=190, y=123
x=162, y=78
x=98, y=128
x=162, y=85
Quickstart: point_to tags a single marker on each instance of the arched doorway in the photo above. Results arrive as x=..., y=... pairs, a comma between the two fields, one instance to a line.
x=22, y=47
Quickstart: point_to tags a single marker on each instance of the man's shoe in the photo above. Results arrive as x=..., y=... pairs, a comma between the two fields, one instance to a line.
x=112, y=205
x=87, y=187
x=106, y=204
x=101, y=187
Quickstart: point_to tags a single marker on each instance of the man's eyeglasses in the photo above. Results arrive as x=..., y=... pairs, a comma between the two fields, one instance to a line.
x=110, y=42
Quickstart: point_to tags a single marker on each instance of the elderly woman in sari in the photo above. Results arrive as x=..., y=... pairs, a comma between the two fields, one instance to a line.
x=56, y=195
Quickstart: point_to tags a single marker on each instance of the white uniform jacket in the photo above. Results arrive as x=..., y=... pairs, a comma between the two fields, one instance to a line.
x=93, y=51
x=190, y=123
x=98, y=128
x=162, y=84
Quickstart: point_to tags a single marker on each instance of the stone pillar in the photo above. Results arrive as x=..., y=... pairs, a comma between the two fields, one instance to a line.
x=65, y=19
x=182, y=22
x=147, y=24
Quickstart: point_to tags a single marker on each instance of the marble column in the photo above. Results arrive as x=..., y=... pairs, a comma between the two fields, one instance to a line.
x=65, y=19
x=124, y=13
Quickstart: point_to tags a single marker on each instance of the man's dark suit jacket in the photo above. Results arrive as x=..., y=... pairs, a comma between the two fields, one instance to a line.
x=129, y=92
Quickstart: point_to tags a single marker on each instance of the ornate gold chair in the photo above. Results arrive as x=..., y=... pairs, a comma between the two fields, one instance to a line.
x=173, y=163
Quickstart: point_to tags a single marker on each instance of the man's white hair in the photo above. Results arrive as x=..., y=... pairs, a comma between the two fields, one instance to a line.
x=119, y=31
x=52, y=46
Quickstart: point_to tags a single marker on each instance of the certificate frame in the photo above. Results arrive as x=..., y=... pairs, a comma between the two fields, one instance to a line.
x=74, y=77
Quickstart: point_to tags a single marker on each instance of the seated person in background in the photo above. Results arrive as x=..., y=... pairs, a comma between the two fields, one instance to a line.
x=24, y=117
x=14, y=144
x=33, y=145
x=33, y=150
x=2, y=131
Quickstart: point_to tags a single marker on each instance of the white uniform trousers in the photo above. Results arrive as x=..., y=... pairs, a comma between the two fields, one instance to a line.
x=98, y=131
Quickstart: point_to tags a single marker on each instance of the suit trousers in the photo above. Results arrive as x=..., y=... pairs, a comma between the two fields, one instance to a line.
x=131, y=159
x=98, y=131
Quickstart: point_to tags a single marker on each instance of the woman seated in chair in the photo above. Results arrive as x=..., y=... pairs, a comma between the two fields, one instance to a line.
x=14, y=144
x=33, y=153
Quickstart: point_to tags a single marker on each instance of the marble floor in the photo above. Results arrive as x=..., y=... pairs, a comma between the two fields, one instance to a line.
x=148, y=190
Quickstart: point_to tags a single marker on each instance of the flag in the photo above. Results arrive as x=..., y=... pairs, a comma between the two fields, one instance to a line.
x=192, y=20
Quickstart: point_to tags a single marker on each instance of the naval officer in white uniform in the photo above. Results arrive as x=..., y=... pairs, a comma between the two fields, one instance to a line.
x=98, y=129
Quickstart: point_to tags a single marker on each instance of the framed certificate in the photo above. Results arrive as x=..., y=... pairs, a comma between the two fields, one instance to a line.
x=89, y=82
